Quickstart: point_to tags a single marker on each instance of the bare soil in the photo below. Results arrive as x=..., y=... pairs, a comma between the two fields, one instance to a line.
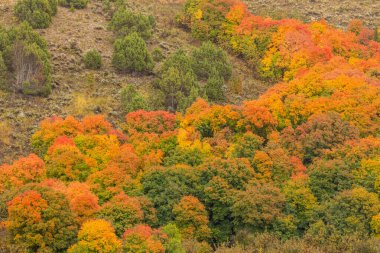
x=337, y=12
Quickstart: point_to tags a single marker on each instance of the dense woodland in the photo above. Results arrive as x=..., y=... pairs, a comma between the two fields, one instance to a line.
x=296, y=170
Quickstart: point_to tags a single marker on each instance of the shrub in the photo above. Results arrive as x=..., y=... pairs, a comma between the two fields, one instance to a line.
x=211, y=60
x=92, y=59
x=131, y=100
x=77, y=4
x=178, y=82
x=37, y=13
x=214, y=88
x=26, y=59
x=131, y=54
x=124, y=22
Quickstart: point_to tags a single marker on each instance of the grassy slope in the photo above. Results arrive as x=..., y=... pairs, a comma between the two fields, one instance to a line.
x=78, y=91
x=337, y=12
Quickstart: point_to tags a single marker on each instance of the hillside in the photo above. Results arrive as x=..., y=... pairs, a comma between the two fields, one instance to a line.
x=78, y=91
x=335, y=12
x=189, y=126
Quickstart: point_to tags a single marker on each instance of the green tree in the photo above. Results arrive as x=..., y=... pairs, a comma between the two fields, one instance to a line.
x=351, y=211
x=328, y=177
x=124, y=22
x=218, y=200
x=209, y=60
x=300, y=202
x=77, y=4
x=178, y=81
x=166, y=186
x=174, y=242
x=27, y=59
x=214, y=87
x=38, y=13
x=131, y=54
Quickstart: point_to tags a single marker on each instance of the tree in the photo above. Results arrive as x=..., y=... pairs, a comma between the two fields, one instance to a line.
x=300, y=202
x=258, y=206
x=174, y=242
x=25, y=54
x=218, y=199
x=83, y=203
x=40, y=219
x=38, y=13
x=67, y=162
x=191, y=218
x=237, y=172
x=124, y=22
x=214, y=87
x=319, y=133
x=375, y=225
x=258, y=118
x=351, y=211
x=158, y=122
x=131, y=54
x=30, y=169
x=178, y=81
x=77, y=4
x=122, y=211
x=327, y=178
x=209, y=59
x=247, y=145
x=97, y=236
x=142, y=238
x=110, y=182
x=166, y=186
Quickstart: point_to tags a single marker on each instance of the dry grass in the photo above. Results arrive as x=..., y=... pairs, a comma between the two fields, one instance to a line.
x=5, y=133
x=337, y=12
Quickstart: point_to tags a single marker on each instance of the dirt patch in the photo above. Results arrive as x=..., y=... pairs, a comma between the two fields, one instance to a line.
x=337, y=12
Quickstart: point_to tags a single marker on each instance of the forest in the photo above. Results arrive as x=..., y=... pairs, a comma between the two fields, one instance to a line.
x=186, y=168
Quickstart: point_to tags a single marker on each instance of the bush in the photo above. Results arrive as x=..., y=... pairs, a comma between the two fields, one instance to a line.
x=210, y=59
x=178, y=82
x=77, y=4
x=125, y=22
x=131, y=54
x=26, y=60
x=92, y=59
x=37, y=13
x=131, y=100
x=214, y=88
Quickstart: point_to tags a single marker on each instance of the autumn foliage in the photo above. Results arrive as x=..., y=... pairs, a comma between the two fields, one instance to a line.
x=299, y=164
